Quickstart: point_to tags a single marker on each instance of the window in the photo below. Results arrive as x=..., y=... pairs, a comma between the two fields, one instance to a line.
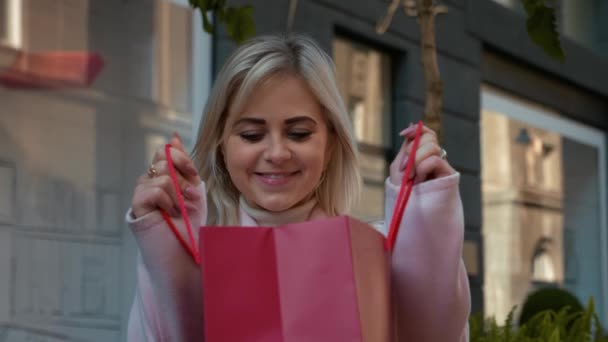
x=364, y=79
x=173, y=72
x=544, y=217
x=10, y=23
x=581, y=22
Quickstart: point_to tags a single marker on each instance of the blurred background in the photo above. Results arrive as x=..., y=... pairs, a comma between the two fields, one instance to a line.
x=90, y=88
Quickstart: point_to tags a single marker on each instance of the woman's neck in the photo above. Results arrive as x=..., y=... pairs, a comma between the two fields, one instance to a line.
x=298, y=213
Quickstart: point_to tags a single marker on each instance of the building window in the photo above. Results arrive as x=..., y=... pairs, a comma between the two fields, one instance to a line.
x=581, y=22
x=523, y=217
x=544, y=217
x=173, y=72
x=11, y=23
x=363, y=74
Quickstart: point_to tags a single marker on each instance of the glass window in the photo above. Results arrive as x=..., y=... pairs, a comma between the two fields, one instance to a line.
x=11, y=30
x=580, y=22
x=173, y=72
x=543, y=221
x=364, y=79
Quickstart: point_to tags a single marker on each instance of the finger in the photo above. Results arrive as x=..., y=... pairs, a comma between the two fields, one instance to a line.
x=410, y=128
x=184, y=187
x=426, y=138
x=402, y=156
x=181, y=161
x=410, y=132
x=188, y=186
x=177, y=142
x=406, y=149
x=162, y=168
x=141, y=204
x=190, y=193
x=427, y=150
x=424, y=151
x=148, y=199
x=432, y=168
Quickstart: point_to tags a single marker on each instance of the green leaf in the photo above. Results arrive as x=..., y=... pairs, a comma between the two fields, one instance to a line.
x=554, y=336
x=204, y=6
x=542, y=29
x=509, y=325
x=239, y=23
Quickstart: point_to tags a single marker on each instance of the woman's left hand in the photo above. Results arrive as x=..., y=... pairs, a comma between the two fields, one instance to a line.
x=428, y=164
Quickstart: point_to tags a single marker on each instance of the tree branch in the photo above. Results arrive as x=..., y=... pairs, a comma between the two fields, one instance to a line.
x=433, y=84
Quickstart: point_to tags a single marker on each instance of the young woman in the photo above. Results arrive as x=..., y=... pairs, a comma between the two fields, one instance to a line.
x=276, y=147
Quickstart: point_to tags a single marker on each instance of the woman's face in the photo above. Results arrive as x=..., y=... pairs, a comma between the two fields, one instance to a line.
x=278, y=146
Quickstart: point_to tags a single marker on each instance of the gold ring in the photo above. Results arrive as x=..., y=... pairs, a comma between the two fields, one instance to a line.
x=152, y=171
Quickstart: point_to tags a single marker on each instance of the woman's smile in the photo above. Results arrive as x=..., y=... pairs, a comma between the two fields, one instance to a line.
x=276, y=178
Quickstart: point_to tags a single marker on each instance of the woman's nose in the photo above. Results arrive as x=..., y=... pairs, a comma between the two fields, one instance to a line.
x=278, y=151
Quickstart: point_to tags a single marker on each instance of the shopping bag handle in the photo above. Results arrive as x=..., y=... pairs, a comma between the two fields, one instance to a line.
x=191, y=248
x=404, y=193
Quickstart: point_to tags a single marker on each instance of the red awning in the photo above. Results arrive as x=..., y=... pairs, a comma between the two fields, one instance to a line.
x=52, y=70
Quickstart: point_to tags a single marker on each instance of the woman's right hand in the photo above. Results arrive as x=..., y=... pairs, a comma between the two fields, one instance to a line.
x=155, y=190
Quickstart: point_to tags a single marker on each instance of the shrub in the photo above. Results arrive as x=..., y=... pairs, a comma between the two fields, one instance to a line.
x=546, y=326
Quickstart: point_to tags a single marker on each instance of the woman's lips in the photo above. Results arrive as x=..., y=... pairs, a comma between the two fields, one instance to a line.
x=275, y=178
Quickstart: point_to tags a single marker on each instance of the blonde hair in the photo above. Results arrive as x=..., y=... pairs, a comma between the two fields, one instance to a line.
x=255, y=62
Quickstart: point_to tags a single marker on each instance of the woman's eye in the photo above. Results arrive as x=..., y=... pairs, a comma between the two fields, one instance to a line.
x=299, y=135
x=252, y=137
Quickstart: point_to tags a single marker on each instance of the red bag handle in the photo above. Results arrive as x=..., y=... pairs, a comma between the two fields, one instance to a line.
x=404, y=193
x=191, y=248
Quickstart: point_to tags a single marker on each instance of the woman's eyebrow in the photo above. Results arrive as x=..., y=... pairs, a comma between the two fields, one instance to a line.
x=254, y=121
x=299, y=119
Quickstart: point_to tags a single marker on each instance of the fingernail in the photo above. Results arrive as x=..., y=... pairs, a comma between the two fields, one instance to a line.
x=191, y=193
x=407, y=131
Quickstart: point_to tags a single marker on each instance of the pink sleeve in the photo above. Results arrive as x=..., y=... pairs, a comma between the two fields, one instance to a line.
x=168, y=298
x=429, y=278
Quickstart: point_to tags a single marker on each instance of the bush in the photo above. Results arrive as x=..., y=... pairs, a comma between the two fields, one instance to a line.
x=546, y=326
x=548, y=298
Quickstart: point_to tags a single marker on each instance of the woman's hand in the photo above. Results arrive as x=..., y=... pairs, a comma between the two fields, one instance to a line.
x=428, y=165
x=155, y=189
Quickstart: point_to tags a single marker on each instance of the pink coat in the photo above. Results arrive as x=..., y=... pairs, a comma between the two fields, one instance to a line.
x=430, y=279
